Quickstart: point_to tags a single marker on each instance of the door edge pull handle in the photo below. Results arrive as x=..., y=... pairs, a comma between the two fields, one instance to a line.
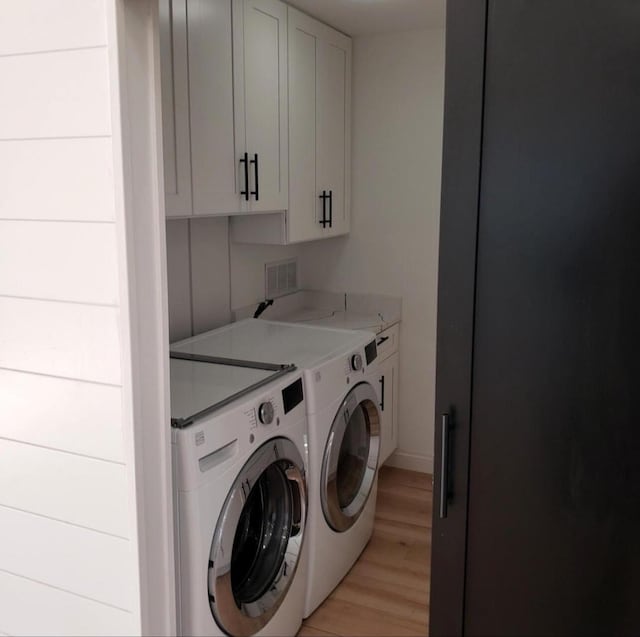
x=331, y=208
x=323, y=222
x=245, y=160
x=256, y=192
x=444, y=467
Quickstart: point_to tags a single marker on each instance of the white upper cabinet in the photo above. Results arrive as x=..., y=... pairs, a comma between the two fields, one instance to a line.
x=319, y=129
x=175, y=107
x=319, y=73
x=216, y=189
x=224, y=85
x=333, y=149
x=260, y=80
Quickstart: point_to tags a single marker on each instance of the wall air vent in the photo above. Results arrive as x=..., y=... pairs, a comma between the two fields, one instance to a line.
x=281, y=277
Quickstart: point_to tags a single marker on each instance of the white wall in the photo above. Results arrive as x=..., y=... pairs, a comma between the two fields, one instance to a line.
x=247, y=270
x=209, y=275
x=198, y=275
x=69, y=559
x=393, y=245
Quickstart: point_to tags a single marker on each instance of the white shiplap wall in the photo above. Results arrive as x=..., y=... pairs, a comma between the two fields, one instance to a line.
x=68, y=554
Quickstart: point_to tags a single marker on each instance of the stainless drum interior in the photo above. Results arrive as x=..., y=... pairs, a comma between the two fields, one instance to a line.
x=351, y=458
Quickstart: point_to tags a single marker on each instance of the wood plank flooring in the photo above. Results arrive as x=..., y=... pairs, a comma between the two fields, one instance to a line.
x=386, y=593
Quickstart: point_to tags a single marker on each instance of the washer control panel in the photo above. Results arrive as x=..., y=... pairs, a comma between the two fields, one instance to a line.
x=356, y=363
x=266, y=412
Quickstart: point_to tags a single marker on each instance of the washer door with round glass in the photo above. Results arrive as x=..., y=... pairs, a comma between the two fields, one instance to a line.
x=257, y=542
x=351, y=458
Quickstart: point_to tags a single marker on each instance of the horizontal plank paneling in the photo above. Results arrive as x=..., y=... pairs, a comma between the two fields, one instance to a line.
x=68, y=179
x=62, y=414
x=83, y=491
x=42, y=25
x=62, y=94
x=63, y=261
x=60, y=339
x=30, y=608
x=84, y=562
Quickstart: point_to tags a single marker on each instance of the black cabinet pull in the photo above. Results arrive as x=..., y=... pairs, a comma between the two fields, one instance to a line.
x=255, y=192
x=245, y=161
x=382, y=340
x=382, y=397
x=331, y=208
x=444, y=467
x=324, y=197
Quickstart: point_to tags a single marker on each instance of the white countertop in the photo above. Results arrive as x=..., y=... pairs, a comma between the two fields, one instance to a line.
x=370, y=312
x=277, y=343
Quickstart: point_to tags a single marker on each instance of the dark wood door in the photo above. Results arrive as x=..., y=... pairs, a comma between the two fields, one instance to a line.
x=549, y=439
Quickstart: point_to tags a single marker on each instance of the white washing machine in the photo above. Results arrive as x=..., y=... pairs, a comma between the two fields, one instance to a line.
x=344, y=432
x=240, y=464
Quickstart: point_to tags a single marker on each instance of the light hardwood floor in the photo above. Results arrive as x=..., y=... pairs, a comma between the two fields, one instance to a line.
x=386, y=593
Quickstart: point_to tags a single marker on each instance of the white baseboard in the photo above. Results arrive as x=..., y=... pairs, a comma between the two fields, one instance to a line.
x=411, y=461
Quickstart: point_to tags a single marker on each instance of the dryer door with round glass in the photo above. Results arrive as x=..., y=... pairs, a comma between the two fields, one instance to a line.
x=257, y=542
x=351, y=458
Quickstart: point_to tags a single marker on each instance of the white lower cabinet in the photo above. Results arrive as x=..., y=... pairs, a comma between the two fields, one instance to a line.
x=319, y=124
x=389, y=407
x=388, y=366
x=224, y=99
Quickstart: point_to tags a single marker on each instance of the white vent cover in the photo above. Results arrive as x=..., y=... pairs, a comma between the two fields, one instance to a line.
x=281, y=277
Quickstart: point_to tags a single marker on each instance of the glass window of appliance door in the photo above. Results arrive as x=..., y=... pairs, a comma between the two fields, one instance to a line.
x=351, y=458
x=258, y=538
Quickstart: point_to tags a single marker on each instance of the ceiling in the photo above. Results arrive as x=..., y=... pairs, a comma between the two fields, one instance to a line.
x=367, y=17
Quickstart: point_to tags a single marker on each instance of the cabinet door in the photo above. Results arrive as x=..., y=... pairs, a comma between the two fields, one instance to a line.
x=388, y=407
x=333, y=100
x=216, y=185
x=304, y=204
x=260, y=77
x=319, y=129
x=175, y=107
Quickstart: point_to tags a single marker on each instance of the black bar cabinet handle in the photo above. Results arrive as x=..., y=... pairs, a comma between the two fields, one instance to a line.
x=382, y=390
x=331, y=208
x=382, y=340
x=444, y=467
x=256, y=192
x=245, y=161
x=323, y=196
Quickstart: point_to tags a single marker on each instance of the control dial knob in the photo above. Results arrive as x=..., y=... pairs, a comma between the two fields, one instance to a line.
x=356, y=362
x=266, y=413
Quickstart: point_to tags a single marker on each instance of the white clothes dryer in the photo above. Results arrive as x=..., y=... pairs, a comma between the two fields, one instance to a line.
x=344, y=444
x=241, y=499
x=343, y=432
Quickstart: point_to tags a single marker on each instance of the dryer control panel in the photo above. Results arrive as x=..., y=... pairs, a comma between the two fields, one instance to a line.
x=371, y=352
